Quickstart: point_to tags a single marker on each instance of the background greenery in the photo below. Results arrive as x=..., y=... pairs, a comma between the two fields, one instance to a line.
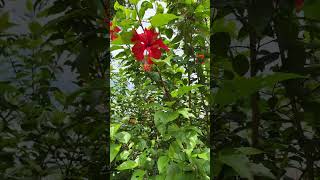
x=265, y=60
x=48, y=132
x=159, y=119
x=264, y=103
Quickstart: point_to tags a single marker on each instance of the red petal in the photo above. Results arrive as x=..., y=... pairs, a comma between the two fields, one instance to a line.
x=138, y=50
x=160, y=43
x=150, y=60
x=136, y=37
x=154, y=52
x=117, y=29
x=113, y=36
x=201, y=56
x=150, y=35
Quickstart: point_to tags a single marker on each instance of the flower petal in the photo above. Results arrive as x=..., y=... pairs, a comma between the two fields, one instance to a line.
x=154, y=52
x=138, y=50
x=160, y=44
x=117, y=29
x=149, y=61
x=136, y=37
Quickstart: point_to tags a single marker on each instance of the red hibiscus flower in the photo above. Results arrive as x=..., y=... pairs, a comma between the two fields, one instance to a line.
x=147, y=43
x=299, y=5
x=114, y=31
x=200, y=57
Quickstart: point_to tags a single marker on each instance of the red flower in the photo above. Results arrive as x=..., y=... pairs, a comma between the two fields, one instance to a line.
x=149, y=43
x=147, y=67
x=299, y=5
x=113, y=31
x=200, y=57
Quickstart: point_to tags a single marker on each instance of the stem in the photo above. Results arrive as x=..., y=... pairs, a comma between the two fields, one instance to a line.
x=166, y=91
x=255, y=120
x=140, y=19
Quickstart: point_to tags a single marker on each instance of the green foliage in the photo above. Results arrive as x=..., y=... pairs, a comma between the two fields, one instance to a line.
x=164, y=110
x=162, y=19
x=263, y=80
x=49, y=129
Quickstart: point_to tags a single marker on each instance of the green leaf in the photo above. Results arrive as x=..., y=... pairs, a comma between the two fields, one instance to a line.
x=123, y=137
x=29, y=5
x=162, y=62
x=82, y=62
x=114, y=149
x=144, y=6
x=162, y=19
x=175, y=151
x=127, y=165
x=118, y=6
x=165, y=117
x=162, y=118
x=124, y=155
x=204, y=155
x=261, y=170
x=232, y=90
x=188, y=1
x=278, y=77
x=162, y=163
x=35, y=27
x=135, y=2
x=184, y=112
x=311, y=9
x=138, y=174
x=222, y=25
x=4, y=22
x=169, y=33
x=240, y=64
x=238, y=162
x=224, y=40
x=113, y=130
x=184, y=89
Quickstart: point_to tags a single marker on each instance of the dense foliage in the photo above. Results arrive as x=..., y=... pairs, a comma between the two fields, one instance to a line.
x=49, y=130
x=159, y=97
x=265, y=89
x=237, y=77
